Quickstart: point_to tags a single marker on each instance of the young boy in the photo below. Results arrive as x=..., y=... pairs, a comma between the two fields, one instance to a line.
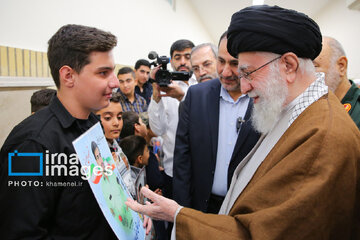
x=112, y=122
x=135, y=148
x=82, y=66
x=133, y=125
x=143, y=86
x=130, y=101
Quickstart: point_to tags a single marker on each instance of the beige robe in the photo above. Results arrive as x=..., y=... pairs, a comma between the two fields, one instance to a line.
x=306, y=188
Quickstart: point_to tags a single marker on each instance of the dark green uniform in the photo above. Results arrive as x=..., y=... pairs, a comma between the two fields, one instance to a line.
x=351, y=103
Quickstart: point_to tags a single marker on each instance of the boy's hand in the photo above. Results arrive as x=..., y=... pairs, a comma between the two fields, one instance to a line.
x=158, y=191
x=147, y=224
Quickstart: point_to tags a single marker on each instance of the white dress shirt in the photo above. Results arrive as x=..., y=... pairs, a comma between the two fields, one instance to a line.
x=163, y=120
x=229, y=112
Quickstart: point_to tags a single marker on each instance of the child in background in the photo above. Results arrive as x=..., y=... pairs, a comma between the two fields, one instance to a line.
x=41, y=99
x=153, y=141
x=135, y=148
x=112, y=122
x=133, y=125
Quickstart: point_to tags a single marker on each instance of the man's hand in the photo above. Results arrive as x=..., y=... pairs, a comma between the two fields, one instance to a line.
x=156, y=92
x=161, y=209
x=173, y=90
x=156, y=89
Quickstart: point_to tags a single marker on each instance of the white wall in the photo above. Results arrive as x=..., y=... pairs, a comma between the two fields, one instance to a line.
x=343, y=24
x=140, y=25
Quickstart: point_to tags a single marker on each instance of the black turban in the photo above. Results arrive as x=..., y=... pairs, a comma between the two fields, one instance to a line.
x=273, y=29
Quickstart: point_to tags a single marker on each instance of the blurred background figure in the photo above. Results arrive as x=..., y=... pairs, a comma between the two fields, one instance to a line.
x=41, y=99
x=333, y=62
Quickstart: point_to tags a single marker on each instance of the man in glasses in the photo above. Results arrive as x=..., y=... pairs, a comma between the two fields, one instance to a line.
x=301, y=180
x=203, y=61
x=213, y=135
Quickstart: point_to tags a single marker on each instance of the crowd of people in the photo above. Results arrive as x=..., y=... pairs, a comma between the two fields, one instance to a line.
x=261, y=142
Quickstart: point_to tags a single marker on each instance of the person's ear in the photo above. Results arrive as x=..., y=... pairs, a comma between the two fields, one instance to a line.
x=139, y=160
x=341, y=65
x=290, y=66
x=66, y=75
x=136, y=129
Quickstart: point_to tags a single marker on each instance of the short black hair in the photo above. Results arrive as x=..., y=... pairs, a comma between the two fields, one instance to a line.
x=142, y=62
x=115, y=97
x=72, y=44
x=125, y=70
x=133, y=146
x=41, y=99
x=181, y=45
x=129, y=120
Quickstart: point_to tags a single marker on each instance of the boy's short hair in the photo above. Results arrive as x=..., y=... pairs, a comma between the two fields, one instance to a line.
x=133, y=146
x=129, y=120
x=41, y=99
x=142, y=62
x=72, y=44
x=115, y=97
x=181, y=45
x=125, y=70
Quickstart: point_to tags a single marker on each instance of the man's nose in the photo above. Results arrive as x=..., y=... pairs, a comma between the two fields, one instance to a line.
x=202, y=71
x=183, y=60
x=113, y=82
x=245, y=86
x=227, y=72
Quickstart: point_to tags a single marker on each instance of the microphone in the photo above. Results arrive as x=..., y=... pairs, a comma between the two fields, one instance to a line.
x=152, y=55
x=239, y=121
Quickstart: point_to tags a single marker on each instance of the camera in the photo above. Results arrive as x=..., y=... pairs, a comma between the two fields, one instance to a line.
x=163, y=76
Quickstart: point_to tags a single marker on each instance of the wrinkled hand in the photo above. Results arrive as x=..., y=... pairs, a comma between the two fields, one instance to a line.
x=161, y=209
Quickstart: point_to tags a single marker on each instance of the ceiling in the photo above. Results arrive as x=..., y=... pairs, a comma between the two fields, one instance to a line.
x=216, y=14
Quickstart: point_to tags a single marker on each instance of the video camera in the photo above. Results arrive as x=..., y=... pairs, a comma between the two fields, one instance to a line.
x=163, y=76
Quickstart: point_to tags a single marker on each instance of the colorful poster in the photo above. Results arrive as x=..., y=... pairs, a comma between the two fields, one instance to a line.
x=98, y=167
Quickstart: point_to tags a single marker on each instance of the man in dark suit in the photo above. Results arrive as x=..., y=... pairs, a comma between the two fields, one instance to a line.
x=214, y=134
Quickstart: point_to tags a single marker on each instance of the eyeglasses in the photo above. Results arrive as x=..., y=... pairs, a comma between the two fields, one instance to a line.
x=204, y=66
x=247, y=74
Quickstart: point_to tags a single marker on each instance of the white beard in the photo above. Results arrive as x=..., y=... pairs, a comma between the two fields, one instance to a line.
x=272, y=95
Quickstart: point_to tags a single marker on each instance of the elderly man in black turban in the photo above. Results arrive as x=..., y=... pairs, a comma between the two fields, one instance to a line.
x=301, y=180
